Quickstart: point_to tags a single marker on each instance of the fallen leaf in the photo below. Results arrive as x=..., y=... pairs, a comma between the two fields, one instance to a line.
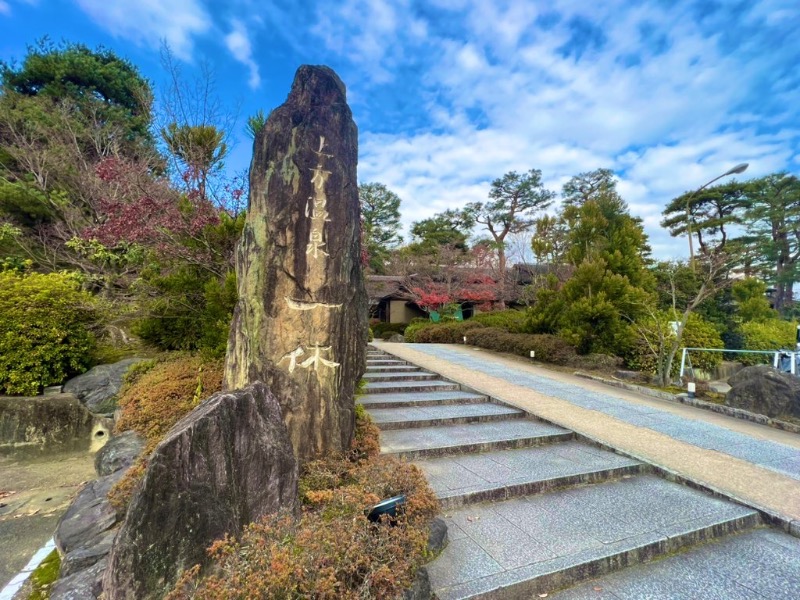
x=597, y=589
x=542, y=595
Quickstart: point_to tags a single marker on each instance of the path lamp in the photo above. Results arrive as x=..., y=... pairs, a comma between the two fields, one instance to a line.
x=740, y=168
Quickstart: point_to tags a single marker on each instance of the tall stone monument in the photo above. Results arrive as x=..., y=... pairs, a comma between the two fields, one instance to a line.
x=300, y=323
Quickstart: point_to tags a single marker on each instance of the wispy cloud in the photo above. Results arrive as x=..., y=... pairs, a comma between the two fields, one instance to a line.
x=238, y=43
x=667, y=96
x=5, y=8
x=375, y=34
x=148, y=22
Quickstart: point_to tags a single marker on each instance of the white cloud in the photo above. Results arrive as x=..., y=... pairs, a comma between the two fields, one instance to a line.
x=371, y=33
x=238, y=43
x=667, y=113
x=148, y=22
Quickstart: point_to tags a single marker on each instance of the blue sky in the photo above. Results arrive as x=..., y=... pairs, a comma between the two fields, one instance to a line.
x=449, y=94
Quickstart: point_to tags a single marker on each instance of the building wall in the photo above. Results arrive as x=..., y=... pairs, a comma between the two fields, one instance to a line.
x=399, y=312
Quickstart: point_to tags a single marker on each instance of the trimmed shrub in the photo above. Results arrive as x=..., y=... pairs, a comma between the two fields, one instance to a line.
x=331, y=551
x=513, y=321
x=413, y=328
x=766, y=335
x=387, y=330
x=446, y=333
x=44, y=331
x=596, y=362
x=548, y=348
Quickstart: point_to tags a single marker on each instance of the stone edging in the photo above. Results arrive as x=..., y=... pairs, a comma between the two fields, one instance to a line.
x=729, y=411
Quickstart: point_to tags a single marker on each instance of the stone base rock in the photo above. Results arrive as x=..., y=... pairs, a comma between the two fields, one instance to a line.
x=119, y=453
x=83, y=585
x=224, y=465
x=99, y=386
x=89, y=516
x=43, y=421
x=761, y=389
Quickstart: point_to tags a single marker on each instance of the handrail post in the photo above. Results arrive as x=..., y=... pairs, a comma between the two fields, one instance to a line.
x=683, y=363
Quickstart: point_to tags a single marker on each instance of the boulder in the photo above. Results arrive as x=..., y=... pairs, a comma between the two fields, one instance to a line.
x=84, y=557
x=120, y=452
x=44, y=421
x=763, y=390
x=89, y=516
x=99, y=386
x=86, y=584
x=396, y=338
x=222, y=466
x=301, y=319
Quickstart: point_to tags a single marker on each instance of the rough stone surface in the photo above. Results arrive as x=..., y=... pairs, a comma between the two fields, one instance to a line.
x=421, y=588
x=437, y=536
x=83, y=585
x=88, y=517
x=397, y=338
x=762, y=389
x=43, y=421
x=300, y=323
x=99, y=386
x=224, y=465
x=119, y=453
x=82, y=558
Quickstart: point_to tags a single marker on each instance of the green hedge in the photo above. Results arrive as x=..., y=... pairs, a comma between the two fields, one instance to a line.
x=441, y=333
x=510, y=320
x=44, y=331
x=548, y=348
x=387, y=330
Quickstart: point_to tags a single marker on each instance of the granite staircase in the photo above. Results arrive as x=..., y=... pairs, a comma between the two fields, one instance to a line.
x=532, y=509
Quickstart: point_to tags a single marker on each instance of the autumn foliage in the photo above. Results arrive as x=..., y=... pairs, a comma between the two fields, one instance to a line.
x=330, y=551
x=157, y=399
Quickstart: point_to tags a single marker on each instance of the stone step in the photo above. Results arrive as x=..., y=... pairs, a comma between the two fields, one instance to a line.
x=435, y=416
x=400, y=376
x=415, y=387
x=534, y=545
x=503, y=474
x=413, y=444
x=398, y=400
x=762, y=563
x=399, y=367
x=387, y=362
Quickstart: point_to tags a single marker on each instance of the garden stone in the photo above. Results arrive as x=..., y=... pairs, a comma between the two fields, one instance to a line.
x=82, y=558
x=120, y=452
x=301, y=319
x=83, y=585
x=99, y=386
x=43, y=421
x=89, y=516
x=397, y=338
x=224, y=465
x=763, y=390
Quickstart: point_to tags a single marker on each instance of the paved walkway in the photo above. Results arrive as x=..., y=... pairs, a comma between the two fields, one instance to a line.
x=754, y=463
x=533, y=509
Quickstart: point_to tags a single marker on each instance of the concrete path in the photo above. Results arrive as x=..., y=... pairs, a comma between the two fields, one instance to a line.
x=754, y=463
x=34, y=493
x=532, y=507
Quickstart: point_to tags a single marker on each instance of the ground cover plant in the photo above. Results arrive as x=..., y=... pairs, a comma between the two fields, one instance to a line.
x=330, y=550
x=157, y=394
